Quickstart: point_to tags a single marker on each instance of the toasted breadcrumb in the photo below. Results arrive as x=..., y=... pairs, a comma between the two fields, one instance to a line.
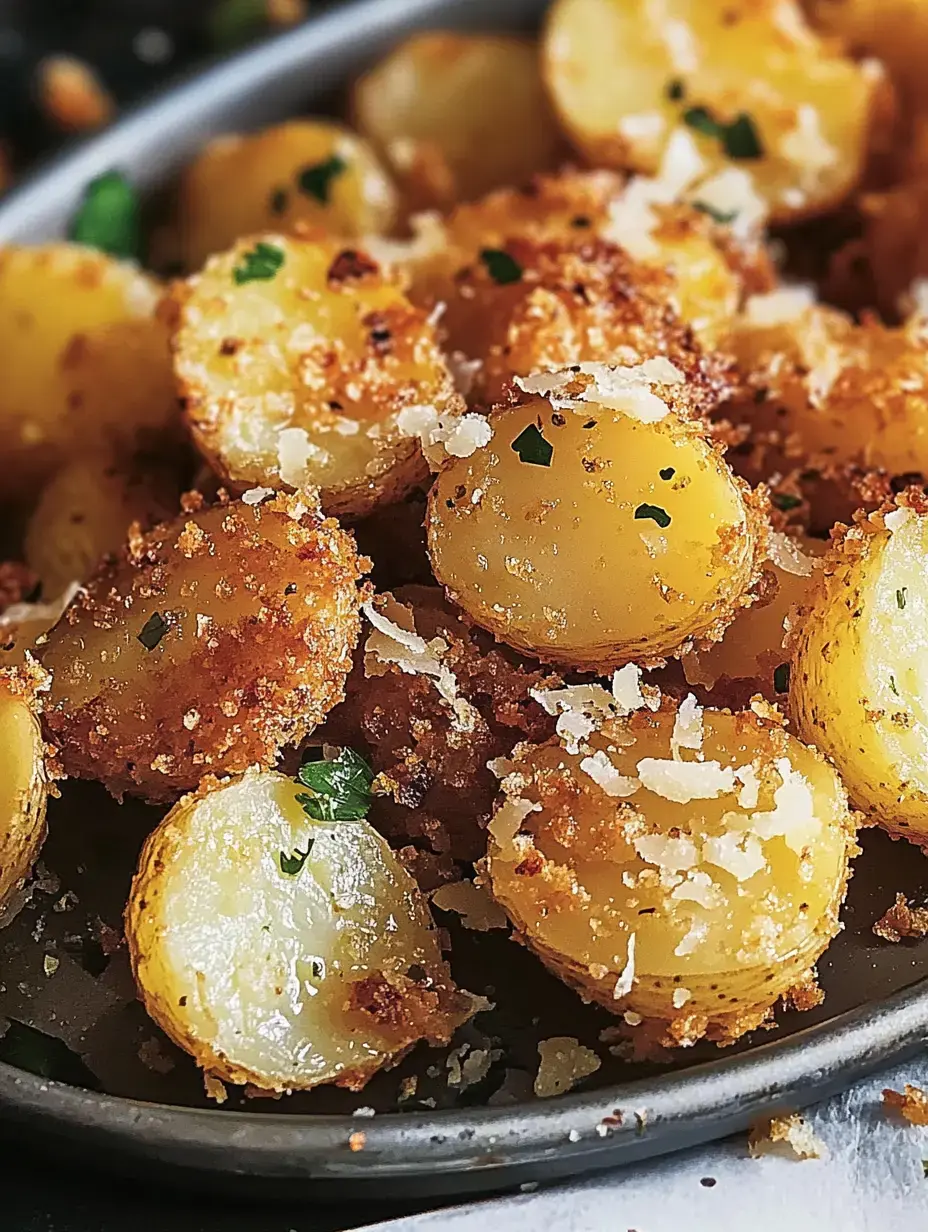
x=472, y=903
x=911, y=1104
x=785, y=1131
x=901, y=920
x=564, y=1063
x=214, y=1088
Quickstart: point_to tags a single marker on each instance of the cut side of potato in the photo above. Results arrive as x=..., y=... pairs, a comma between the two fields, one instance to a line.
x=213, y=642
x=524, y=533
x=859, y=682
x=283, y=951
x=295, y=358
x=314, y=172
x=684, y=867
x=749, y=81
x=23, y=781
x=85, y=361
x=455, y=115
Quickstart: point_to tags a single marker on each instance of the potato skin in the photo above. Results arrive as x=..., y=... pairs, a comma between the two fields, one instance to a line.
x=24, y=790
x=85, y=360
x=522, y=548
x=729, y=909
x=85, y=511
x=855, y=684
x=455, y=115
x=242, y=184
x=328, y=346
x=257, y=607
x=610, y=63
x=222, y=941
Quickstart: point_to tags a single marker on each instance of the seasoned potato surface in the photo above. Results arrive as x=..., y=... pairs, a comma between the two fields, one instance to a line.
x=23, y=782
x=690, y=892
x=217, y=639
x=295, y=358
x=592, y=534
x=282, y=951
x=305, y=171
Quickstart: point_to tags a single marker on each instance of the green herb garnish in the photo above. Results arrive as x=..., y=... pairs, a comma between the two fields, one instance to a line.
x=784, y=501
x=892, y=685
x=153, y=631
x=781, y=678
x=925, y=1167
x=259, y=264
x=341, y=788
x=655, y=513
x=108, y=217
x=901, y=597
x=740, y=139
x=502, y=268
x=292, y=865
x=316, y=181
x=722, y=217
x=278, y=201
x=675, y=90
x=667, y=472
x=532, y=447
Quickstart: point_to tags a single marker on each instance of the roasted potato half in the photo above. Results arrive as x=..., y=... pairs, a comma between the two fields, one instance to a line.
x=295, y=358
x=315, y=172
x=896, y=31
x=85, y=511
x=691, y=893
x=455, y=115
x=598, y=525
x=857, y=686
x=751, y=81
x=85, y=361
x=282, y=951
x=214, y=641
x=24, y=790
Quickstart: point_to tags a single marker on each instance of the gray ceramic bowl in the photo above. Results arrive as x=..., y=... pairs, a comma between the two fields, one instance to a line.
x=876, y=1009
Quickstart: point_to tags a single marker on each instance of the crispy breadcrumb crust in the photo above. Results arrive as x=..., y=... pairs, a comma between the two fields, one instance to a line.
x=231, y=687
x=900, y=920
x=911, y=1104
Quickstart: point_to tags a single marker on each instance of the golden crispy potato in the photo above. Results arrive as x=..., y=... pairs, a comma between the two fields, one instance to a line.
x=283, y=951
x=455, y=115
x=532, y=306
x=707, y=268
x=598, y=526
x=751, y=658
x=295, y=357
x=23, y=784
x=750, y=81
x=217, y=639
x=693, y=893
x=305, y=171
x=85, y=511
x=827, y=398
x=85, y=362
x=857, y=681
x=896, y=31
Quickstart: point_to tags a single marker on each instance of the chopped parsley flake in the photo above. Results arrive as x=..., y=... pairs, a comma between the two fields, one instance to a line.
x=901, y=597
x=292, y=865
x=108, y=217
x=784, y=501
x=502, y=268
x=675, y=90
x=892, y=685
x=925, y=1167
x=316, y=181
x=532, y=447
x=667, y=472
x=655, y=513
x=153, y=631
x=278, y=202
x=740, y=138
x=722, y=217
x=260, y=264
x=341, y=788
x=781, y=678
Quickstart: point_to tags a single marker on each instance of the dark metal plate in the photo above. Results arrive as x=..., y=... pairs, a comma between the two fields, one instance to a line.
x=472, y=1141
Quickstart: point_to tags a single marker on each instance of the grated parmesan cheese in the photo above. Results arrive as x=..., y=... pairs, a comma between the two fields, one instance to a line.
x=626, y=980
x=793, y=815
x=787, y=555
x=733, y=191
x=779, y=307
x=750, y=790
x=395, y=642
x=692, y=939
x=683, y=781
x=605, y=775
x=620, y=388
x=680, y=997
x=698, y=888
x=508, y=818
x=429, y=237
x=807, y=149
x=628, y=693
x=671, y=853
x=454, y=435
x=897, y=518
x=294, y=453
x=48, y=613
x=740, y=855
x=687, y=727
x=254, y=496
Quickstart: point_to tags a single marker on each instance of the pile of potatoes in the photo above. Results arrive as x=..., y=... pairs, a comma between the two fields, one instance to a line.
x=522, y=332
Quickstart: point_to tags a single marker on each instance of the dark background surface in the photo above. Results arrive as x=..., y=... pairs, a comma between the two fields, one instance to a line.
x=40, y=1193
